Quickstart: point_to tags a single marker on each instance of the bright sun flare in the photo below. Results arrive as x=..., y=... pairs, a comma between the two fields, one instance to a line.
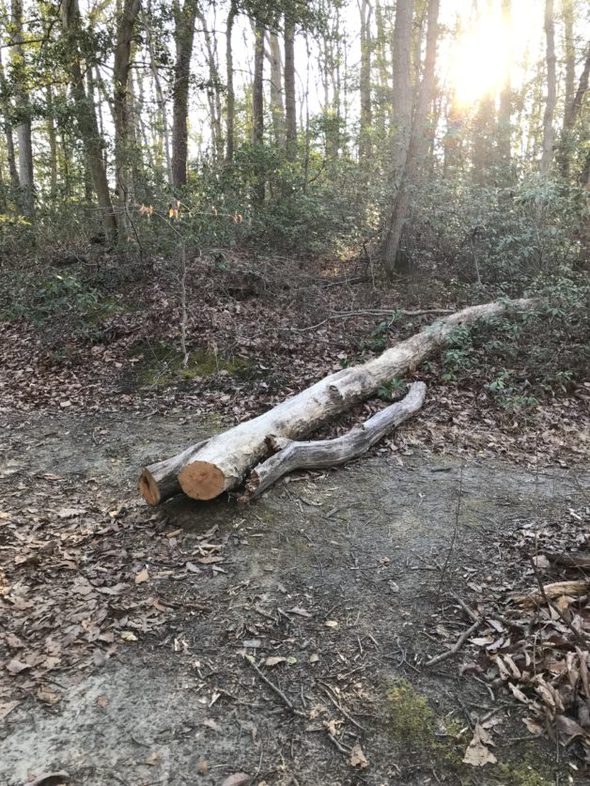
x=489, y=49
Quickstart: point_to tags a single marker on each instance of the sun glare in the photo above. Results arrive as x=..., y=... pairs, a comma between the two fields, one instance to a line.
x=489, y=49
x=480, y=59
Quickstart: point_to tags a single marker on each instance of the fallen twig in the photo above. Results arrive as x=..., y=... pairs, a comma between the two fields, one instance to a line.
x=288, y=703
x=457, y=646
x=328, y=693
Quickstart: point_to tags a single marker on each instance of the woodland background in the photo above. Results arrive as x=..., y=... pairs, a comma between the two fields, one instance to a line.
x=433, y=153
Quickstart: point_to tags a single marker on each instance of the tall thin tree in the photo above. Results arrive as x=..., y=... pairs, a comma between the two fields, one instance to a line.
x=184, y=33
x=551, y=100
x=23, y=112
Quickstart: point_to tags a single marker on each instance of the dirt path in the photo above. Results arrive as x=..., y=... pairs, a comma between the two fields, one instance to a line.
x=159, y=615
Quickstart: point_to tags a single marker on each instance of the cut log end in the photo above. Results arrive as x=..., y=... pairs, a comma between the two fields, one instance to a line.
x=202, y=480
x=148, y=488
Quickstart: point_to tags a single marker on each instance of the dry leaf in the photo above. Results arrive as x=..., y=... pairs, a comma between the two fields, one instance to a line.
x=16, y=666
x=70, y=513
x=153, y=759
x=478, y=753
x=237, y=779
x=358, y=758
x=6, y=707
x=50, y=779
x=211, y=724
x=532, y=726
x=202, y=766
x=14, y=641
x=518, y=694
x=48, y=695
x=274, y=660
x=142, y=576
x=299, y=611
x=568, y=728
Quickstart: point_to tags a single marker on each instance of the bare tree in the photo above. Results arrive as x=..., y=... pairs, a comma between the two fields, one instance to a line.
x=162, y=126
x=551, y=101
x=290, y=101
x=277, y=106
x=7, y=128
x=86, y=117
x=214, y=86
x=365, y=145
x=505, y=108
x=230, y=99
x=124, y=149
x=23, y=113
x=416, y=145
x=184, y=33
x=402, y=85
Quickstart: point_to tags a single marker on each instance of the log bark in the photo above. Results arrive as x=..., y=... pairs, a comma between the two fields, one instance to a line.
x=325, y=453
x=207, y=470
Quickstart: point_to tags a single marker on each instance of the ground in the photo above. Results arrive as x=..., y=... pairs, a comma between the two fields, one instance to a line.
x=287, y=640
x=141, y=638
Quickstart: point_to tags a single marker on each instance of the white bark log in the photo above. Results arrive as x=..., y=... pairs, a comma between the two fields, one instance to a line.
x=224, y=460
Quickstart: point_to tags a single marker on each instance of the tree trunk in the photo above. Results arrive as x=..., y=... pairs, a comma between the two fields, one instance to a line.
x=402, y=85
x=23, y=112
x=365, y=145
x=160, y=98
x=230, y=110
x=277, y=108
x=213, y=89
x=548, y=133
x=86, y=118
x=505, y=108
x=567, y=11
x=416, y=145
x=258, y=108
x=7, y=128
x=206, y=470
x=124, y=148
x=52, y=140
x=184, y=34
x=572, y=111
x=258, y=85
x=290, y=101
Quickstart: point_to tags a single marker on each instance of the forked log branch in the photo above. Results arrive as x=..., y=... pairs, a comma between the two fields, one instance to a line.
x=221, y=463
x=325, y=453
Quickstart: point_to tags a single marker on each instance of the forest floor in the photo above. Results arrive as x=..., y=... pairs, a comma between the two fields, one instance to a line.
x=287, y=640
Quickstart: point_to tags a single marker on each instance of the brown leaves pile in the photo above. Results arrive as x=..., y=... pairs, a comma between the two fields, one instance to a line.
x=537, y=643
x=78, y=583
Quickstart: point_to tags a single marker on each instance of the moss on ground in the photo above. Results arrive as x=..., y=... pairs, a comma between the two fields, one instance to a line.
x=410, y=715
x=415, y=726
x=161, y=364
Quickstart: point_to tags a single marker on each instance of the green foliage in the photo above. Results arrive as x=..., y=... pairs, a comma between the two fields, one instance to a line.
x=389, y=390
x=494, y=235
x=41, y=299
x=520, y=359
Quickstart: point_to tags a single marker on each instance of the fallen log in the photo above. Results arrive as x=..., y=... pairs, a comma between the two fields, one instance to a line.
x=159, y=481
x=206, y=470
x=324, y=453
